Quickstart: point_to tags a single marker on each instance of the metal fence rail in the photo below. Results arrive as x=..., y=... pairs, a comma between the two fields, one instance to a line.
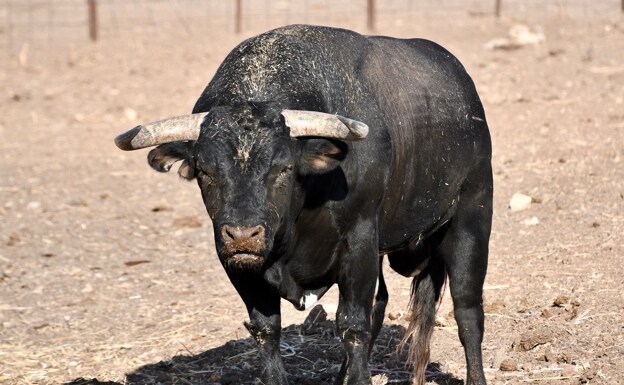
x=38, y=22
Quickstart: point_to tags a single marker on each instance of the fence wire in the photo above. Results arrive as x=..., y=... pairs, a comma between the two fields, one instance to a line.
x=38, y=22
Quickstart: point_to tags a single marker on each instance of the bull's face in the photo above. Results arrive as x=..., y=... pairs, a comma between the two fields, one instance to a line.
x=245, y=165
x=248, y=162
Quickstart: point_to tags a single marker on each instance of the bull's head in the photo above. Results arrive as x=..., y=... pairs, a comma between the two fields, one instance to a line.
x=248, y=162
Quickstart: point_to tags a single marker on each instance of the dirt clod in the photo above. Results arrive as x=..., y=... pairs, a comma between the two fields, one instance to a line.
x=13, y=240
x=508, y=365
x=496, y=307
x=561, y=300
x=135, y=263
x=531, y=340
x=160, y=208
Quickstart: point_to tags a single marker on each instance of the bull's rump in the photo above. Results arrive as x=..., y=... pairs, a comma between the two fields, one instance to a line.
x=437, y=129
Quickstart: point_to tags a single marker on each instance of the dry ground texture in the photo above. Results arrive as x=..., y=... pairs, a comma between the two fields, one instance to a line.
x=108, y=269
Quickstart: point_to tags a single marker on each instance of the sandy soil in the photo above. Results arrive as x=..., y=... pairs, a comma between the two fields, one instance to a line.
x=108, y=270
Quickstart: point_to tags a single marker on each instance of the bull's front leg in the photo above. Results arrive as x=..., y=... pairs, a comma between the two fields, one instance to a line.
x=356, y=283
x=263, y=306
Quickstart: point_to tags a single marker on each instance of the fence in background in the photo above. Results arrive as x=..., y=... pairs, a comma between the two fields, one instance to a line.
x=43, y=21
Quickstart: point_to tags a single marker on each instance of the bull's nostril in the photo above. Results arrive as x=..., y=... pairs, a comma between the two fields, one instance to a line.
x=258, y=231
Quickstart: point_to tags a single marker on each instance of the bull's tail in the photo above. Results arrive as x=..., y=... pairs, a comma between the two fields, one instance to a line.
x=425, y=296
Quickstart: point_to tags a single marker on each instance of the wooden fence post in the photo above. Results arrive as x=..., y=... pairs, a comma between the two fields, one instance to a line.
x=498, y=6
x=239, y=16
x=93, y=27
x=370, y=8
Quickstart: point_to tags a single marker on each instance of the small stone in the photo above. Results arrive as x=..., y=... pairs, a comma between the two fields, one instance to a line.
x=533, y=221
x=34, y=205
x=395, y=316
x=131, y=114
x=520, y=202
x=508, y=365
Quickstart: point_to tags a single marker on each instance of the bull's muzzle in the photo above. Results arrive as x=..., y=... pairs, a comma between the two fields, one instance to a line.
x=244, y=247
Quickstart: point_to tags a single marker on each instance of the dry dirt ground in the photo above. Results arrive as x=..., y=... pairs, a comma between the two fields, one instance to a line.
x=108, y=270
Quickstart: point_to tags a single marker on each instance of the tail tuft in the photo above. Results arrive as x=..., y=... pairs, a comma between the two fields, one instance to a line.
x=425, y=296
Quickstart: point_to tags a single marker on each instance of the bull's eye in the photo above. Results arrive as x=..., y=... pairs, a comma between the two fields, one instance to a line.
x=283, y=174
x=205, y=178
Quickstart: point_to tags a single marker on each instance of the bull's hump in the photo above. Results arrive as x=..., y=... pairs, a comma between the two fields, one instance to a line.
x=293, y=45
x=258, y=65
x=294, y=29
x=298, y=63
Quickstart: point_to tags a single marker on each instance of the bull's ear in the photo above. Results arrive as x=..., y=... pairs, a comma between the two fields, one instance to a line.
x=164, y=156
x=319, y=156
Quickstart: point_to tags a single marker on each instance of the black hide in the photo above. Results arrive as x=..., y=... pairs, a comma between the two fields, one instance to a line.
x=292, y=216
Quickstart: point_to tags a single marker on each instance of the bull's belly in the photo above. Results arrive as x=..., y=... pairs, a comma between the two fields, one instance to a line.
x=410, y=223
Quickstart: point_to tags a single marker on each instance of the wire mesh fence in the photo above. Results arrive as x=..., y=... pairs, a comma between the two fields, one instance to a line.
x=38, y=22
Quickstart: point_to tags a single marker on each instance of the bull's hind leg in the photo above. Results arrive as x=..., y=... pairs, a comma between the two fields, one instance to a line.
x=464, y=248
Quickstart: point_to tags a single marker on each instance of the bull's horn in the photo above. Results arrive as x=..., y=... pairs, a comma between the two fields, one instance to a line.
x=312, y=123
x=163, y=131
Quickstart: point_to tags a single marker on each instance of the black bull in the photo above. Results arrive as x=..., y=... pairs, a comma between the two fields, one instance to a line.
x=301, y=200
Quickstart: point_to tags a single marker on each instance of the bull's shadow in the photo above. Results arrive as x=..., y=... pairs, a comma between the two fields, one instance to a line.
x=312, y=355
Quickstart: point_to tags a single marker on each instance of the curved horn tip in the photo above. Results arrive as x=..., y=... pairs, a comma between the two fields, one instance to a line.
x=124, y=141
x=360, y=129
